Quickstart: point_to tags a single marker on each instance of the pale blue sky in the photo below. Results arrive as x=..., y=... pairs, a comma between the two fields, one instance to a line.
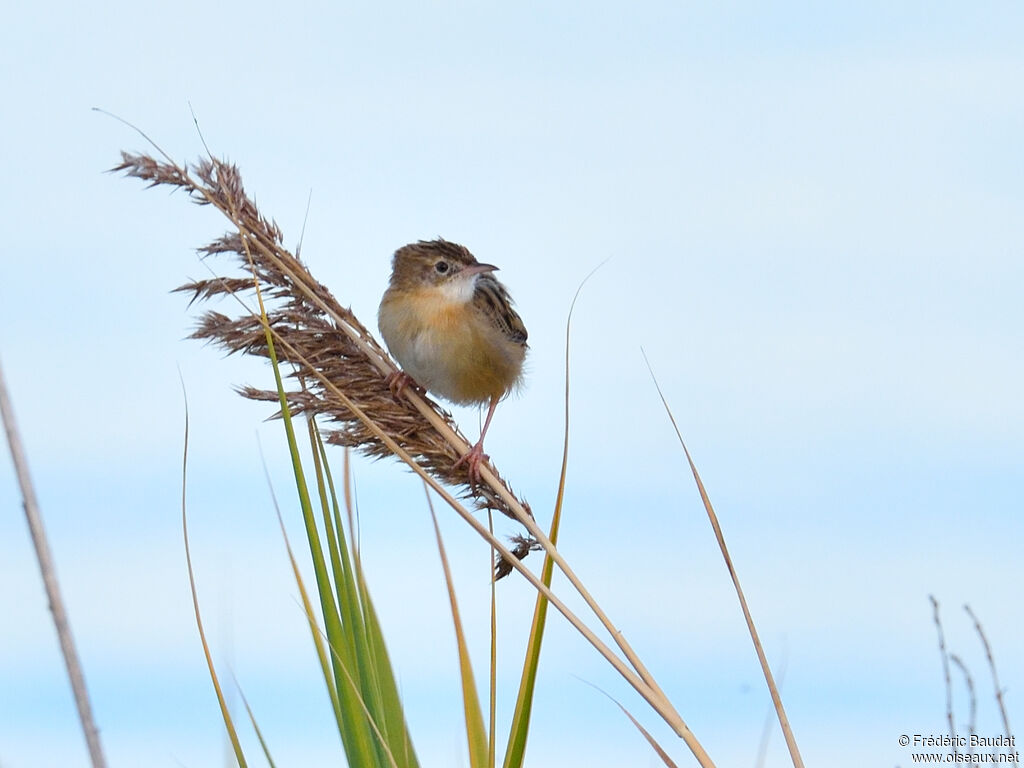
x=814, y=222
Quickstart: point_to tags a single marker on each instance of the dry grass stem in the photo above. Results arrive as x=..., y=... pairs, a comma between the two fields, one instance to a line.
x=945, y=669
x=328, y=349
x=992, y=668
x=49, y=573
x=972, y=718
x=787, y=730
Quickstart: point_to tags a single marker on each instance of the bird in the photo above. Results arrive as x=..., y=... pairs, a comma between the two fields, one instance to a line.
x=450, y=325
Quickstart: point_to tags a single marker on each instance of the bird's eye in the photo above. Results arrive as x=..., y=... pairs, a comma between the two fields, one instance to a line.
x=441, y=267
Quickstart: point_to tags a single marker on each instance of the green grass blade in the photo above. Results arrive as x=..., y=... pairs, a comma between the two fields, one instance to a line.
x=383, y=759
x=355, y=714
x=225, y=713
x=345, y=597
x=358, y=654
x=256, y=727
x=347, y=577
x=476, y=734
x=377, y=680
x=356, y=735
x=515, y=752
x=392, y=712
x=318, y=640
x=351, y=690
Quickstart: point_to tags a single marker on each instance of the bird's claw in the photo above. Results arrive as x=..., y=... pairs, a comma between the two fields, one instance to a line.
x=397, y=381
x=473, y=458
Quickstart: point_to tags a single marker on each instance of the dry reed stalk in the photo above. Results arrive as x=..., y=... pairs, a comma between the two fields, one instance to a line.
x=321, y=340
x=992, y=669
x=773, y=689
x=945, y=670
x=48, y=569
x=972, y=719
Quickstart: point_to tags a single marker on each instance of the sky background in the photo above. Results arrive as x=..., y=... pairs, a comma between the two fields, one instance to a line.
x=812, y=221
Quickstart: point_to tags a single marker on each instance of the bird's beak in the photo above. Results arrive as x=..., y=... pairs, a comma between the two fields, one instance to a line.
x=477, y=269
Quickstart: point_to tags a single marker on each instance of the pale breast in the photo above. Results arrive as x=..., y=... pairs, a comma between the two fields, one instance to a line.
x=450, y=348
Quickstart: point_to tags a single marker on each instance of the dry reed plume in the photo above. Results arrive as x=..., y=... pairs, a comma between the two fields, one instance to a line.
x=339, y=367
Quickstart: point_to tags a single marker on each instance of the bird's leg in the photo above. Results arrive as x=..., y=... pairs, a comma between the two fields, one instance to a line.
x=475, y=456
x=399, y=380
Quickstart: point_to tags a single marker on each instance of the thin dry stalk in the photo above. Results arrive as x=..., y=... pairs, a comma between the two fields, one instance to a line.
x=49, y=572
x=773, y=690
x=769, y=720
x=992, y=667
x=945, y=670
x=972, y=718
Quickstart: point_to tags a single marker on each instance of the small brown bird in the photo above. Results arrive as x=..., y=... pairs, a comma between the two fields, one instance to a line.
x=450, y=325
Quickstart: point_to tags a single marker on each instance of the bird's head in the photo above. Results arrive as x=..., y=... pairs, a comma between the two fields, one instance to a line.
x=440, y=264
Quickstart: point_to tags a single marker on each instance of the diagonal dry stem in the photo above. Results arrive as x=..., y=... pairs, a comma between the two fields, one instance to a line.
x=787, y=731
x=48, y=569
x=992, y=668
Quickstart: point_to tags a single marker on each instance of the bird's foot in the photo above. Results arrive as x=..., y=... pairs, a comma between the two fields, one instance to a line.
x=473, y=458
x=397, y=381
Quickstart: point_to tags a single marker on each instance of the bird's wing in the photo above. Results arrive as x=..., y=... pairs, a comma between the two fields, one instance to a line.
x=491, y=298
